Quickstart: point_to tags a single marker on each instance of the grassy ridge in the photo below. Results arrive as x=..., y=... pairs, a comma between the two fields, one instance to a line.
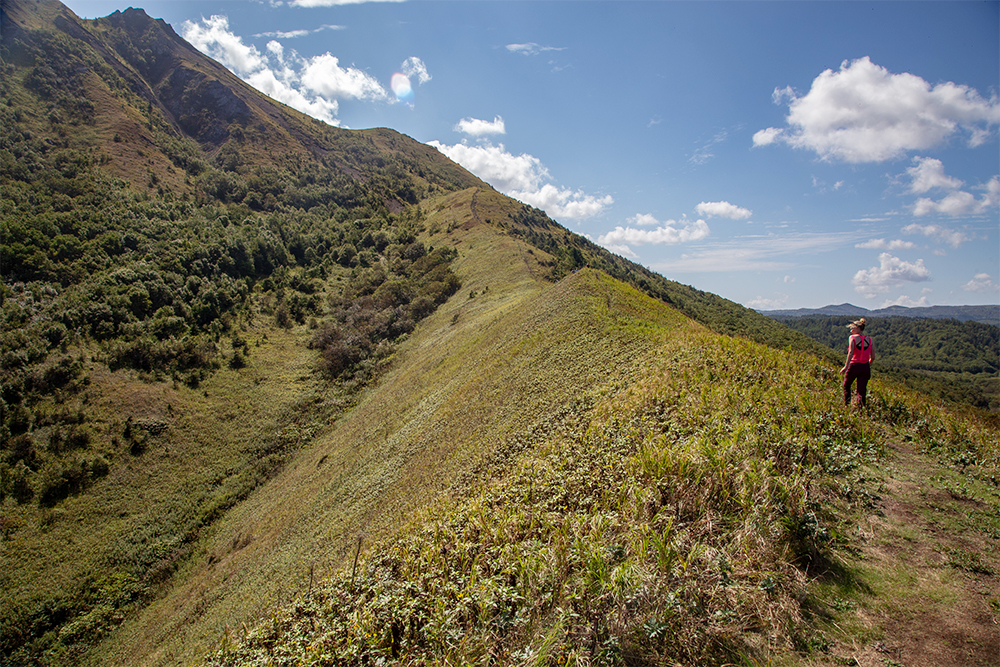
x=690, y=512
x=489, y=365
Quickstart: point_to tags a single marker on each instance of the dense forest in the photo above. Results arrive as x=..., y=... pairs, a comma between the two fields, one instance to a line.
x=959, y=361
x=151, y=280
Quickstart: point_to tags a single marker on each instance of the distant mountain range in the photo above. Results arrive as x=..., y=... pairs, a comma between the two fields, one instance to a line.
x=985, y=314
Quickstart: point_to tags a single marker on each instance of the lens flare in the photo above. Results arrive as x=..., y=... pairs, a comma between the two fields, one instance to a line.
x=401, y=87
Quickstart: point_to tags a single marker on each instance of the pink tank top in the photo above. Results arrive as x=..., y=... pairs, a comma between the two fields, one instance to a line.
x=862, y=349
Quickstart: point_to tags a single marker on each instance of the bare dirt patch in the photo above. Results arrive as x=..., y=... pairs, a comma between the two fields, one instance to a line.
x=930, y=554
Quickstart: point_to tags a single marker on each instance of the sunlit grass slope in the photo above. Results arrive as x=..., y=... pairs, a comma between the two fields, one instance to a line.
x=689, y=510
x=493, y=365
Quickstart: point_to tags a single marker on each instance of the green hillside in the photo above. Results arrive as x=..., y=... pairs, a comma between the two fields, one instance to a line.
x=274, y=391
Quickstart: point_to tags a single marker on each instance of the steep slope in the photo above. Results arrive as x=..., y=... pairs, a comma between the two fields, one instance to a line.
x=477, y=376
x=715, y=507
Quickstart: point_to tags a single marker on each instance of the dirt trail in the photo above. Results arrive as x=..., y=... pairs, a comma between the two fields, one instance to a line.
x=931, y=552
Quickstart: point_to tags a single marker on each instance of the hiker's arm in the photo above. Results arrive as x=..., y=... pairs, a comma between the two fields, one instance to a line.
x=850, y=353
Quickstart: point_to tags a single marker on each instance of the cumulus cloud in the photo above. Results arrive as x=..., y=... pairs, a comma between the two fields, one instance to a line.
x=891, y=272
x=767, y=136
x=882, y=244
x=670, y=232
x=563, y=202
x=981, y=282
x=311, y=85
x=928, y=174
x=722, y=209
x=959, y=203
x=478, y=128
x=864, y=113
x=644, y=220
x=213, y=38
x=495, y=165
x=267, y=82
x=324, y=75
x=524, y=178
x=938, y=233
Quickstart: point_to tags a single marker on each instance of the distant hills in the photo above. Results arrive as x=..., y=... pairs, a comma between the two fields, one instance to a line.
x=986, y=314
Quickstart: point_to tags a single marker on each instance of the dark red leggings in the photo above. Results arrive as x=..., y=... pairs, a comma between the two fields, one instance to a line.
x=862, y=373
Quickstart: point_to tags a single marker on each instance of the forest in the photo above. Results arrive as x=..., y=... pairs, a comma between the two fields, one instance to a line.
x=153, y=281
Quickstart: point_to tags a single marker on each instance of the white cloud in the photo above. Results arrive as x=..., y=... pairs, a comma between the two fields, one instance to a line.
x=524, y=178
x=907, y=302
x=504, y=171
x=882, y=244
x=324, y=75
x=292, y=34
x=415, y=67
x=981, y=282
x=478, y=128
x=311, y=85
x=623, y=250
x=928, y=174
x=644, y=220
x=767, y=137
x=722, y=209
x=268, y=83
x=891, y=272
x=704, y=153
x=532, y=49
x=762, y=303
x=563, y=203
x=276, y=49
x=960, y=203
x=213, y=38
x=864, y=113
x=952, y=237
x=667, y=233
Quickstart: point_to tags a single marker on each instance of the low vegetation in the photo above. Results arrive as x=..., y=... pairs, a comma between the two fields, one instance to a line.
x=699, y=513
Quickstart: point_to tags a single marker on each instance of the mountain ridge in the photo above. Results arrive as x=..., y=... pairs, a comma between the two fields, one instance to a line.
x=988, y=314
x=242, y=348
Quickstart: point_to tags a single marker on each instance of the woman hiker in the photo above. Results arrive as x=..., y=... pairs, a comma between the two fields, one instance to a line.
x=860, y=354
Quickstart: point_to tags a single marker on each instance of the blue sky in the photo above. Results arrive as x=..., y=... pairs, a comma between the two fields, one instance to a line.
x=780, y=154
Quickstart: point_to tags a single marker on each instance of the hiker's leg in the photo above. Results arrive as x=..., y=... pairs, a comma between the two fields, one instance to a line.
x=864, y=374
x=848, y=381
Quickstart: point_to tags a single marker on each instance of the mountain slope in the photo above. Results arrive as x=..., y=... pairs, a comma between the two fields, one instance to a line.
x=238, y=343
x=481, y=373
